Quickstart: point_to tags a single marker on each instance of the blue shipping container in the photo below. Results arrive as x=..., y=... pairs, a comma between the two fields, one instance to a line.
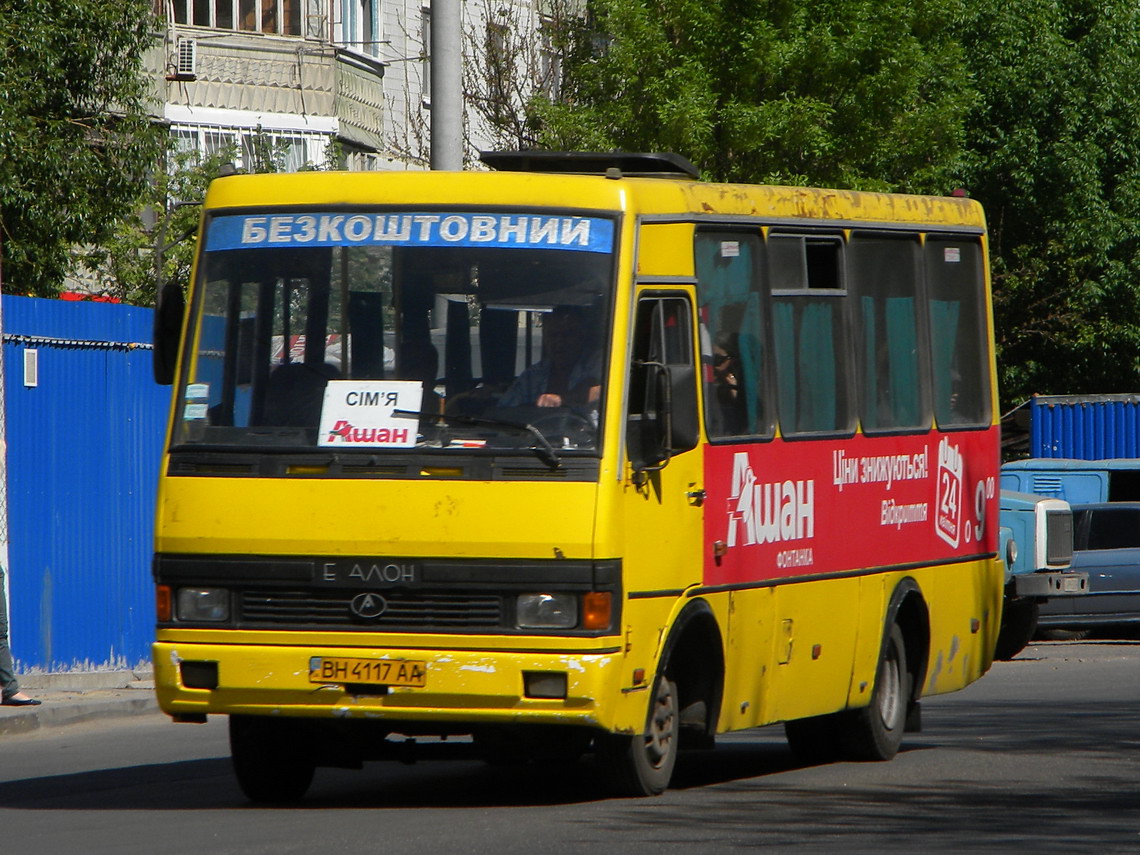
x=1089, y=427
x=85, y=424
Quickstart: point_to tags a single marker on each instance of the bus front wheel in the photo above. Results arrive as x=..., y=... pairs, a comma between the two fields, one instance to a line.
x=268, y=759
x=642, y=765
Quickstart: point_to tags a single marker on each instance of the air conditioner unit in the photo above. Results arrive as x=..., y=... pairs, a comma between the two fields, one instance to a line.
x=186, y=67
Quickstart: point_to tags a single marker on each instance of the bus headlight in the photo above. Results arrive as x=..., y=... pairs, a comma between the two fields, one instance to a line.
x=203, y=604
x=547, y=611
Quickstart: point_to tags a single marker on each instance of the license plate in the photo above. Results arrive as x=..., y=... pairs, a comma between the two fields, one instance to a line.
x=373, y=672
x=1070, y=585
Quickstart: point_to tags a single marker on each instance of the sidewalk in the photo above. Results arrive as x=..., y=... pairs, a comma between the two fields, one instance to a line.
x=73, y=698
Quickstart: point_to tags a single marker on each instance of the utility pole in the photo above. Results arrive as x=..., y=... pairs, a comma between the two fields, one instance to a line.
x=446, y=58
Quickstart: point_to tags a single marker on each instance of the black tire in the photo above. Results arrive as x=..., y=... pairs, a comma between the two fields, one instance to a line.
x=643, y=765
x=875, y=731
x=816, y=740
x=268, y=759
x=1018, y=625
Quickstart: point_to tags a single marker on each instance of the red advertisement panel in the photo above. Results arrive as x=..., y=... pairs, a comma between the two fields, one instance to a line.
x=786, y=509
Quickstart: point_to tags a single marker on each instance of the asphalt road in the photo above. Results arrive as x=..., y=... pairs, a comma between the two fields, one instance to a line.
x=1042, y=756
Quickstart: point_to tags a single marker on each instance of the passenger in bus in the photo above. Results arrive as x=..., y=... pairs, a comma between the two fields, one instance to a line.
x=728, y=394
x=957, y=415
x=569, y=373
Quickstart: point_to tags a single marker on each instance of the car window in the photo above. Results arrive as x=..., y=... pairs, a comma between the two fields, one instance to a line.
x=1114, y=528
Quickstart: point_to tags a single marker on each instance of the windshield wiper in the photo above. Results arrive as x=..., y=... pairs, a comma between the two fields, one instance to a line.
x=542, y=448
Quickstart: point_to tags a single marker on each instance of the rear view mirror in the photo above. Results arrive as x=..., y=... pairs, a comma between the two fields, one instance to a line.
x=168, y=315
x=667, y=424
x=662, y=418
x=683, y=431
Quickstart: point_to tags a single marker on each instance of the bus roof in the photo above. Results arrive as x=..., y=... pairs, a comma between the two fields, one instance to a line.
x=669, y=198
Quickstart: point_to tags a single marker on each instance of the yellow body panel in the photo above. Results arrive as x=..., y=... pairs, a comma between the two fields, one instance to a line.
x=312, y=516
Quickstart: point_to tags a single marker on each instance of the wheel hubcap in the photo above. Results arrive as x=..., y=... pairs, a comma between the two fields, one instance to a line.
x=659, y=740
x=890, y=695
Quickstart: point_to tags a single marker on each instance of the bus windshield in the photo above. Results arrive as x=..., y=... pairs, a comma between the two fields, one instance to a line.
x=374, y=331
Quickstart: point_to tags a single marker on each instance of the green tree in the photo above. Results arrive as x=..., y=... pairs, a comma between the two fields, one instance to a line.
x=857, y=94
x=1055, y=158
x=1033, y=105
x=76, y=140
x=161, y=229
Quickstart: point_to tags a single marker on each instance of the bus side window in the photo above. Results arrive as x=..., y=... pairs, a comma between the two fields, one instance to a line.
x=889, y=336
x=733, y=337
x=662, y=421
x=809, y=332
x=958, y=324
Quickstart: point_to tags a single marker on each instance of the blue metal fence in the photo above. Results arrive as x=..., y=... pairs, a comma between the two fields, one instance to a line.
x=84, y=444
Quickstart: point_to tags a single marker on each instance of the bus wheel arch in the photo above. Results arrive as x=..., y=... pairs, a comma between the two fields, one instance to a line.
x=875, y=732
x=908, y=610
x=684, y=707
x=693, y=658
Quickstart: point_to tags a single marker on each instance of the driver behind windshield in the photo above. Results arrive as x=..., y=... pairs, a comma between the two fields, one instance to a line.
x=569, y=373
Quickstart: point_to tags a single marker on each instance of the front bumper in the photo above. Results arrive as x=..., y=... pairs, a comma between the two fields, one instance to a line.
x=1045, y=584
x=461, y=687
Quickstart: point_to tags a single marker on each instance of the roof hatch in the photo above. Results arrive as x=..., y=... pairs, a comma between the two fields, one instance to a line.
x=633, y=164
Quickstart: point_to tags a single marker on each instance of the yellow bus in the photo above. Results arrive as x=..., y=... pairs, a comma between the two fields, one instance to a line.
x=575, y=456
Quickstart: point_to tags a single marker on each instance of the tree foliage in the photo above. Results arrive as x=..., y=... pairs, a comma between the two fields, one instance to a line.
x=860, y=93
x=1033, y=105
x=1055, y=151
x=75, y=136
x=155, y=241
x=159, y=231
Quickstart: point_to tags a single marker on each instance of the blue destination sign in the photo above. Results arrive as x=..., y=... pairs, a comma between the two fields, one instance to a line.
x=517, y=231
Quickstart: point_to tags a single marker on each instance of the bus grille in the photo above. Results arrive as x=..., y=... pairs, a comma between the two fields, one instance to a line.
x=454, y=611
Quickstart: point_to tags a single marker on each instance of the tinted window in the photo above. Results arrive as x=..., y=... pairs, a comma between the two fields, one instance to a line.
x=958, y=327
x=732, y=335
x=889, y=347
x=1112, y=528
x=805, y=275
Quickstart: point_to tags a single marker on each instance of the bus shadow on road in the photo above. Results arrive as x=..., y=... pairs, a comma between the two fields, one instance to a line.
x=210, y=784
x=476, y=784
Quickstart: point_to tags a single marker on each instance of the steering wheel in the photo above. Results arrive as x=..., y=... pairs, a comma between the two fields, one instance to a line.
x=565, y=428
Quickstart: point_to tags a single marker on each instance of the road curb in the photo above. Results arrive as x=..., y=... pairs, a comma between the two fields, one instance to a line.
x=84, y=681
x=71, y=698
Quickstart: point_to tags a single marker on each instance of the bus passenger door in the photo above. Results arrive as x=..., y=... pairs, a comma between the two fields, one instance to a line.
x=663, y=489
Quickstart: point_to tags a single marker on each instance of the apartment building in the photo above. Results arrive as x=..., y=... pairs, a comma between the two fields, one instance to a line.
x=300, y=75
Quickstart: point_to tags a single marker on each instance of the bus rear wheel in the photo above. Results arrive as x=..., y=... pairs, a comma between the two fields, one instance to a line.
x=643, y=765
x=875, y=732
x=268, y=759
x=1018, y=625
